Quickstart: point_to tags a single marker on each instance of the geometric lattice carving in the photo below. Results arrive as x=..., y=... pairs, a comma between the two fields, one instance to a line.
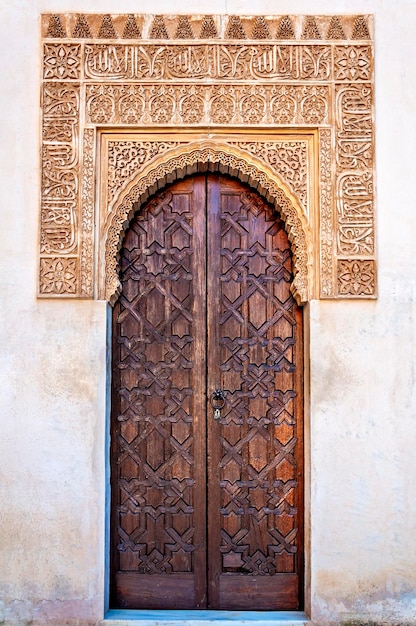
x=156, y=414
x=263, y=356
x=317, y=74
x=254, y=464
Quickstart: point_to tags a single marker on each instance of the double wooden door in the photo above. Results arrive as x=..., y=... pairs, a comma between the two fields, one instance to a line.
x=207, y=452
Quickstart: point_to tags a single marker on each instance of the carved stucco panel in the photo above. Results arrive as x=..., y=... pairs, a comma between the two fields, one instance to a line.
x=288, y=159
x=229, y=160
x=326, y=238
x=87, y=214
x=265, y=72
x=290, y=105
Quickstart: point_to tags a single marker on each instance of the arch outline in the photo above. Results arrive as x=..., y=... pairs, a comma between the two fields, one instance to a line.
x=206, y=156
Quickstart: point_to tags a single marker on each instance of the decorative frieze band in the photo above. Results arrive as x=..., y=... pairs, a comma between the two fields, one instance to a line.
x=201, y=62
x=272, y=73
x=283, y=105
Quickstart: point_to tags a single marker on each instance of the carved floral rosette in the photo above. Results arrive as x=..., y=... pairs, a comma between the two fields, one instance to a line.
x=271, y=75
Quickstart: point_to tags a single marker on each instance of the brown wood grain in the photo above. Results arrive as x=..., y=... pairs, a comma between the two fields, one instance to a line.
x=207, y=512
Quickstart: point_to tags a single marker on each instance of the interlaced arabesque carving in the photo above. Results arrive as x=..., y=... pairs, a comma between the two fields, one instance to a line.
x=288, y=158
x=155, y=429
x=269, y=72
x=225, y=159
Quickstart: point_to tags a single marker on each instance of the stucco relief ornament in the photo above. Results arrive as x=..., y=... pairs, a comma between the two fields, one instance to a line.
x=356, y=277
x=314, y=106
x=283, y=104
x=197, y=72
x=190, y=157
x=353, y=63
x=62, y=61
x=192, y=107
x=59, y=276
x=101, y=107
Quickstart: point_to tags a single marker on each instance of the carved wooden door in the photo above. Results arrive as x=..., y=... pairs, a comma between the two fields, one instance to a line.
x=207, y=504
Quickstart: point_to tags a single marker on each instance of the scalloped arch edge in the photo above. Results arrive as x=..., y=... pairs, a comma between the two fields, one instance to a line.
x=201, y=157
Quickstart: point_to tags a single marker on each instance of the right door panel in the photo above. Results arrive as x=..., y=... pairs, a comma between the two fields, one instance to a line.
x=255, y=446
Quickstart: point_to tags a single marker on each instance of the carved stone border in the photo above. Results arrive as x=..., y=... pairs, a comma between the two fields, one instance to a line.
x=272, y=72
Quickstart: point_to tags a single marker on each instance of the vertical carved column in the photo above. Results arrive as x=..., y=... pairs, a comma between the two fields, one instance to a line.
x=59, y=245
x=353, y=70
x=87, y=215
x=326, y=232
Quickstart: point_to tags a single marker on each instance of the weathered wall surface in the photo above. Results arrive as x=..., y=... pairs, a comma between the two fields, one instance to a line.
x=362, y=363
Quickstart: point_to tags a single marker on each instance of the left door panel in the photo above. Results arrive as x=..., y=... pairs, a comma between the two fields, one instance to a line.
x=158, y=422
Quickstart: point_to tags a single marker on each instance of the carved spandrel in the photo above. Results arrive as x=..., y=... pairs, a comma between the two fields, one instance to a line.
x=208, y=153
x=289, y=159
x=128, y=157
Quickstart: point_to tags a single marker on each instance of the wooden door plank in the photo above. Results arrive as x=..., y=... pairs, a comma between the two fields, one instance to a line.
x=247, y=593
x=139, y=591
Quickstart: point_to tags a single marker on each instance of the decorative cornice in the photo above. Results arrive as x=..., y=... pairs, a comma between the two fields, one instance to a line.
x=202, y=27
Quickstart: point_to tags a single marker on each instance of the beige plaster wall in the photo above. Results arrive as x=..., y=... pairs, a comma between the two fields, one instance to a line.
x=362, y=363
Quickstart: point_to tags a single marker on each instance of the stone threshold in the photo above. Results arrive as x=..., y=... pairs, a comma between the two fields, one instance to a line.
x=204, y=618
